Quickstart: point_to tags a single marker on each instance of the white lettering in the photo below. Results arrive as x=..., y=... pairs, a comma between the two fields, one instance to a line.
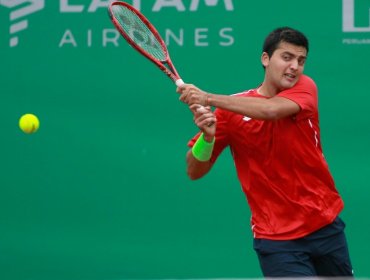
x=32, y=7
x=89, y=38
x=179, y=40
x=66, y=8
x=110, y=38
x=17, y=27
x=195, y=3
x=223, y=34
x=199, y=36
x=349, y=18
x=96, y=4
x=136, y=4
x=113, y=39
x=354, y=41
x=24, y=10
x=68, y=38
x=159, y=4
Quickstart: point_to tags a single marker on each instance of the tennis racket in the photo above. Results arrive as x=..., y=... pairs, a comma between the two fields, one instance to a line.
x=143, y=37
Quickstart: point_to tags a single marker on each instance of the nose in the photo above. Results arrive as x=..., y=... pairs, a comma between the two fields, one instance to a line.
x=294, y=64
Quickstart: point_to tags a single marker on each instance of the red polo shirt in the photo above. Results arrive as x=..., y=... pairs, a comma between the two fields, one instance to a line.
x=281, y=167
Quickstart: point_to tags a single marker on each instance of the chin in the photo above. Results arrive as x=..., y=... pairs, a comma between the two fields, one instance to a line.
x=288, y=84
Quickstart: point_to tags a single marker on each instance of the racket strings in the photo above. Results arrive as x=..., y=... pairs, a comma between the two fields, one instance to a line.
x=138, y=32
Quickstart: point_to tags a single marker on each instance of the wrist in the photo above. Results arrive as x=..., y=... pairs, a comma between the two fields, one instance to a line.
x=202, y=149
x=208, y=138
x=208, y=99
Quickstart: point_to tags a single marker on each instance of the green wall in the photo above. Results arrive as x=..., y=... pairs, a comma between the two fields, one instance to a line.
x=100, y=191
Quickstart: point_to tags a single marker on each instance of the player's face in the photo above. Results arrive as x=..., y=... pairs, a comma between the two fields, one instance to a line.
x=285, y=66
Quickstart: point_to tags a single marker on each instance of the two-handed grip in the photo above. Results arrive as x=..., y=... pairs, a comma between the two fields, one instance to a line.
x=201, y=108
x=180, y=82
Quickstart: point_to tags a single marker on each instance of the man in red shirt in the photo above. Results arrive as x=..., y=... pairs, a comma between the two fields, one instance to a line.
x=274, y=136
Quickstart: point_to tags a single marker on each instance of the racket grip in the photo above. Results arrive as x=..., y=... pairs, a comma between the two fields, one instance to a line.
x=179, y=82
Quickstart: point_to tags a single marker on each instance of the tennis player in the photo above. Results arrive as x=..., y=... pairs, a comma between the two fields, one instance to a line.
x=274, y=137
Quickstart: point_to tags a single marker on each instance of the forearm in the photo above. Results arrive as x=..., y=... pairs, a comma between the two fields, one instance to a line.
x=255, y=108
x=195, y=168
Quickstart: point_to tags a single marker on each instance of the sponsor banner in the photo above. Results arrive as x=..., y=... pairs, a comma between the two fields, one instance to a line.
x=356, y=22
x=76, y=32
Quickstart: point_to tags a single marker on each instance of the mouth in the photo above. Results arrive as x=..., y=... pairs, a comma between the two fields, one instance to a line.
x=290, y=77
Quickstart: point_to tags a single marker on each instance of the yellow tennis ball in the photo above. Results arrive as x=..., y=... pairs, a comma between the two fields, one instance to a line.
x=29, y=123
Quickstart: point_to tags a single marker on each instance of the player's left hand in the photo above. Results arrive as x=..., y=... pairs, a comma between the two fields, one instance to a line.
x=204, y=119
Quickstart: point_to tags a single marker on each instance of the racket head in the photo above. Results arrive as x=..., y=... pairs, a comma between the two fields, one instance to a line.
x=142, y=36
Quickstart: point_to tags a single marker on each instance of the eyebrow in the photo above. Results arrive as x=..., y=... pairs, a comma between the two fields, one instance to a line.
x=292, y=54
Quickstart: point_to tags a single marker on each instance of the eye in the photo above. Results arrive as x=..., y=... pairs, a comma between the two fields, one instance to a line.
x=286, y=57
x=301, y=61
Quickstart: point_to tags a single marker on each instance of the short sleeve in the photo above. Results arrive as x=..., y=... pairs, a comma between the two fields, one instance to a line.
x=304, y=93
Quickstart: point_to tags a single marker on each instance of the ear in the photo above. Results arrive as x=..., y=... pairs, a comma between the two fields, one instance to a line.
x=265, y=59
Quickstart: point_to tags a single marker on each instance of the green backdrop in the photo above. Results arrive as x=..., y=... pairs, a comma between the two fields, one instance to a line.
x=100, y=191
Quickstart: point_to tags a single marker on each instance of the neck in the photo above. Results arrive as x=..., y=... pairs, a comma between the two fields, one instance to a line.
x=267, y=90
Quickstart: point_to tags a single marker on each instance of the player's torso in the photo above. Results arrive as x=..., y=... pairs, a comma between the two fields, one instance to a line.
x=262, y=140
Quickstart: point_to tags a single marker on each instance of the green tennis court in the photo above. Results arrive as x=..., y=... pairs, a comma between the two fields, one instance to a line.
x=100, y=190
